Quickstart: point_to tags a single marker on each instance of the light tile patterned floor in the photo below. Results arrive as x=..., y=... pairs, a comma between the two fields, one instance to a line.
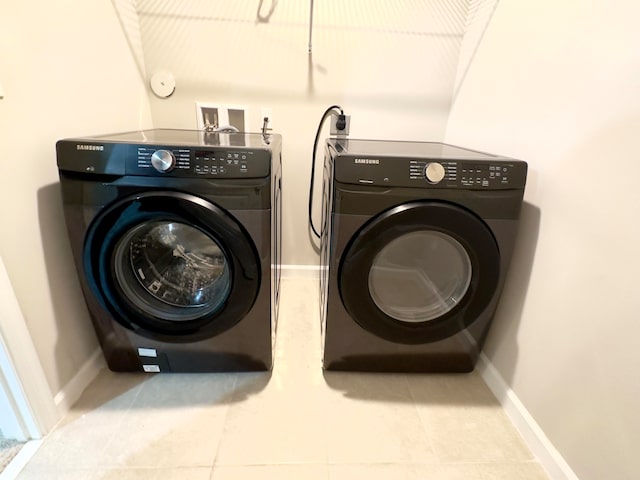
x=296, y=422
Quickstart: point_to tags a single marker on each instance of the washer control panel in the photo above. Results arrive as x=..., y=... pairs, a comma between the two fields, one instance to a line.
x=170, y=153
x=163, y=160
x=209, y=163
x=221, y=162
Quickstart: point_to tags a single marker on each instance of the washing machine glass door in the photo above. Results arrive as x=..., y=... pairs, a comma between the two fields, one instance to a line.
x=419, y=272
x=172, y=270
x=171, y=265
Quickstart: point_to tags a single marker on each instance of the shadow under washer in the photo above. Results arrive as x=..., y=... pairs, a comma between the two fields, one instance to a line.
x=176, y=236
x=415, y=245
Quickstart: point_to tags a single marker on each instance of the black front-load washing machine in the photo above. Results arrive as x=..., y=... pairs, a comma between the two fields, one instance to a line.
x=415, y=245
x=176, y=237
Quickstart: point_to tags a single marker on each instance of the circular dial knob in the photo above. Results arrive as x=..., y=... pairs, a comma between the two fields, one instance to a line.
x=434, y=172
x=163, y=160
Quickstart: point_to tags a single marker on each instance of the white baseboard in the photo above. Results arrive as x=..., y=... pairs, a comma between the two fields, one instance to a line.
x=71, y=392
x=309, y=271
x=550, y=459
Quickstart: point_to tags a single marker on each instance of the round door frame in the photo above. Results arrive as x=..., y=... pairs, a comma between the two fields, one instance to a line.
x=124, y=214
x=450, y=219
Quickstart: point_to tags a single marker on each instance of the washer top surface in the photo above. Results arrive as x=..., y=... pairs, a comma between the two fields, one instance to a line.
x=187, y=138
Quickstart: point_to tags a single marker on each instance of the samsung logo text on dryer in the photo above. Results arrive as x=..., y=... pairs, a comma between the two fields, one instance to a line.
x=368, y=161
x=97, y=148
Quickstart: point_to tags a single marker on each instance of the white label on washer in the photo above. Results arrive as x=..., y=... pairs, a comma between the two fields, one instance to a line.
x=151, y=368
x=148, y=352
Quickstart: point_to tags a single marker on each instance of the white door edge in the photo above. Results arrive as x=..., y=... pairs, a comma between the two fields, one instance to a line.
x=27, y=388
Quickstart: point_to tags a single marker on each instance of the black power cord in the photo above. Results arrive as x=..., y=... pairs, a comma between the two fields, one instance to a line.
x=340, y=125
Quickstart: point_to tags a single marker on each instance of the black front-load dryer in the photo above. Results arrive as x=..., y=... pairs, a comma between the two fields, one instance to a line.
x=176, y=237
x=415, y=245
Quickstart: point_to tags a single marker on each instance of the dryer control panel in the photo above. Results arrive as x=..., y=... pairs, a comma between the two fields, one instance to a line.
x=431, y=173
x=466, y=174
x=423, y=165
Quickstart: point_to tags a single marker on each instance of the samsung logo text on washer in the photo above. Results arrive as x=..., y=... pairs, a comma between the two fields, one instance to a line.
x=368, y=161
x=98, y=148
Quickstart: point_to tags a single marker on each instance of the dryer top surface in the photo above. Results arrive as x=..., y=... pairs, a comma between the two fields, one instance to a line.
x=392, y=148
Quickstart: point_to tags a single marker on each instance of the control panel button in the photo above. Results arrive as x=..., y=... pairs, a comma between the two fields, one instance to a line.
x=163, y=160
x=434, y=172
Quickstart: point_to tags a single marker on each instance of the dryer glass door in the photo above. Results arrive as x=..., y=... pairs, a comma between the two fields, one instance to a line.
x=420, y=276
x=419, y=272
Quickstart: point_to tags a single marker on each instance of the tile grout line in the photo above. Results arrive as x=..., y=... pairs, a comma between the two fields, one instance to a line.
x=427, y=433
x=224, y=425
x=121, y=421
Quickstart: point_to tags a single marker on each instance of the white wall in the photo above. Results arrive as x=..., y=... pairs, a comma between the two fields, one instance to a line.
x=558, y=84
x=66, y=70
x=390, y=64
